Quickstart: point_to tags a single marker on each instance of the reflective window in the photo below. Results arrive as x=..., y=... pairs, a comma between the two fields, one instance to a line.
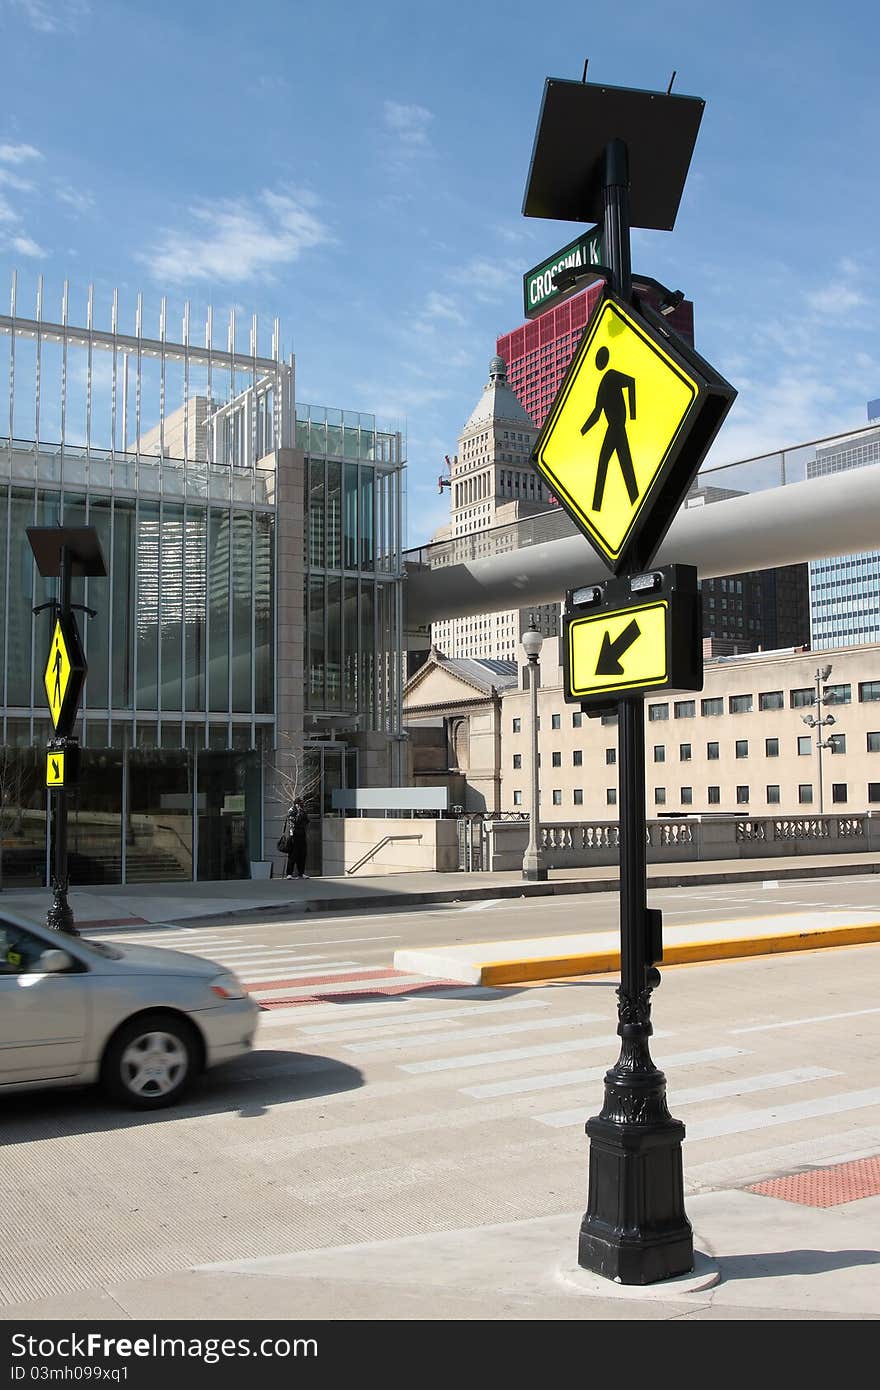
x=771, y=699
x=773, y=794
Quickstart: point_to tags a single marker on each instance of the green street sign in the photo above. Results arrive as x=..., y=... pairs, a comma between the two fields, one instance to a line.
x=539, y=285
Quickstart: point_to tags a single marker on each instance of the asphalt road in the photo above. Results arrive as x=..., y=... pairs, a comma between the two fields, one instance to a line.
x=375, y=1106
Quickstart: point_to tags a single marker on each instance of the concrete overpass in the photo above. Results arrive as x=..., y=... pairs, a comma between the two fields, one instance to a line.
x=525, y=564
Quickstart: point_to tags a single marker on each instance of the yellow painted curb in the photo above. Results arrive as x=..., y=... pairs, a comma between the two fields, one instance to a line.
x=510, y=972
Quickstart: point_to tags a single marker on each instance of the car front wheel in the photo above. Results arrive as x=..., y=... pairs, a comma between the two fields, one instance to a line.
x=150, y=1061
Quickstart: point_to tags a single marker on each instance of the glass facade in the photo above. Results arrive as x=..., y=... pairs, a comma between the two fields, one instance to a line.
x=353, y=560
x=844, y=588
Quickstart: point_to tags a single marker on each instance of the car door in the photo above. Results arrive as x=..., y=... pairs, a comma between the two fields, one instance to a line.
x=42, y=1016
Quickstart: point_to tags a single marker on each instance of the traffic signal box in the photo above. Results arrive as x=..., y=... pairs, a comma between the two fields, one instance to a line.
x=632, y=634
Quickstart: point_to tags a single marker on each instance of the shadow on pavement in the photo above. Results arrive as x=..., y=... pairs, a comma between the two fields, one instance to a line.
x=782, y=1262
x=246, y=1088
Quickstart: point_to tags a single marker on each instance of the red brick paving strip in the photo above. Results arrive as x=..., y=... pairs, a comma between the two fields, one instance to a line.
x=826, y=1187
x=387, y=989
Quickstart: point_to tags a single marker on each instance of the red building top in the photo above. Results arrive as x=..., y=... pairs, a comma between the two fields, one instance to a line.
x=538, y=352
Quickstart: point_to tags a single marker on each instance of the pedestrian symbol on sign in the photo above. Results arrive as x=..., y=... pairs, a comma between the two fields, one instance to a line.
x=610, y=401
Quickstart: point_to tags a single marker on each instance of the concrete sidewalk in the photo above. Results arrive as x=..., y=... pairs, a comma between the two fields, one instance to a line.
x=135, y=905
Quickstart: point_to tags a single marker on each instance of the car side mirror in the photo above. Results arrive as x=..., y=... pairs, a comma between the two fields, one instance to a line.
x=55, y=960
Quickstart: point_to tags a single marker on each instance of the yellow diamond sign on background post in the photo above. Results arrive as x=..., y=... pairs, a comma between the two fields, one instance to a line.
x=628, y=429
x=64, y=675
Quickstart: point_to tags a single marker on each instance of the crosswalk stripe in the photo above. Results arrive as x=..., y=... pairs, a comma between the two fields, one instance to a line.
x=421, y=1006
x=352, y=986
x=718, y=1091
x=510, y=1054
x=747, y=1120
x=801, y=1022
x=544, y=1081
x=426, y=1039
x=349, y=1028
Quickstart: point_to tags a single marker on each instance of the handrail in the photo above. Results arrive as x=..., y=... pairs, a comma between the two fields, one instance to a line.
x=380, y=845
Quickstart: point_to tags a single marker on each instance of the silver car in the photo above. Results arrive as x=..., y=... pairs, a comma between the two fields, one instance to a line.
x=140, y=1020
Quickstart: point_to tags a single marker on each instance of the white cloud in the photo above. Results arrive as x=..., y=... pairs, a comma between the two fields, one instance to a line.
x=238, y=240
x=441, y=306
x=26, y=246
x=408, y=123
x=76, y=198
x=18, y=154
x=52, y=16
x=835, y=298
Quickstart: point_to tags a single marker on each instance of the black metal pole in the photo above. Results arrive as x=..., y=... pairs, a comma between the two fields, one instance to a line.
x=635, y=1229
x=60, y=915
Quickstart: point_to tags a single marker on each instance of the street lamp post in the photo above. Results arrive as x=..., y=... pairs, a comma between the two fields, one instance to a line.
x=818, y=723
x=533, y=860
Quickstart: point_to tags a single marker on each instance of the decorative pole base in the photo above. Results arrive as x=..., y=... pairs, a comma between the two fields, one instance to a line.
x=60, y=915
x=535, y=873
x=635, y=1230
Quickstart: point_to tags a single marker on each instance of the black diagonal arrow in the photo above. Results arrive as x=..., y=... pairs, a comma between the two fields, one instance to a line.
x=56, y=770
x=611, y=652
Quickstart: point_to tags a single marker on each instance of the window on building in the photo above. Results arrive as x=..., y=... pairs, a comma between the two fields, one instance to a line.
x=556, y=760
x=714, y=796
x=659, y=796
x=805, y=794
x=687, y=796
x=684, y=709
x=608, y=719
x=742, y=748
x=838, y=694
x=740, y=704
x=771, y=747
x=874, y=743
x=578, y=796
x=577, y=719
x=712, y=752
x=659, y=753
x=742, y=796
x=517, y=761
x=610, y=757
x=557, y=798
x=517, y=798
x=773, y=794
x=771, y=699
x=684, y=752
x=555, y=721
x=577, y=757
x=611, y=796
x=805, y=746
x=868, y=691
x=656, y=712
x=517, y=726
x=838, y=792
x=799, y=699
x=710, y=707
x=874, y=791
x=837, y=743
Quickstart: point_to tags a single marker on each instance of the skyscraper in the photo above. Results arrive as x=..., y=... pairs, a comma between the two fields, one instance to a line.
x=844, y=589
x=491, y=483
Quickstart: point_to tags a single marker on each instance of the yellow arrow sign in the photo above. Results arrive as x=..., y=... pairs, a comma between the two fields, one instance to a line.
x=54, y=769
x=56, y=677
x=621, y=414
x=609, y=652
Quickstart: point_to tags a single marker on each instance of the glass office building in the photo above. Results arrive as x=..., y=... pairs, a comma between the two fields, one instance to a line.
x=185, y=461
x=844, y=611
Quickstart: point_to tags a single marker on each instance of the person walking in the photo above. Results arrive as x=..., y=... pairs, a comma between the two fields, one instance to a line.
x=297, y=843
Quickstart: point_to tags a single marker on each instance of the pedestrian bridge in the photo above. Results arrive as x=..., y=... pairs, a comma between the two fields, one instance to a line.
x=770, y=513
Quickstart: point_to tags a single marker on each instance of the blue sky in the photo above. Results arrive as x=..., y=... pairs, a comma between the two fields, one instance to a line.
x=359, y=170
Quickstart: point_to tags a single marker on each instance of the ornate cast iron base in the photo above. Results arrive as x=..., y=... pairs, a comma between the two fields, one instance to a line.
x=60, y=916
x=635, y=1230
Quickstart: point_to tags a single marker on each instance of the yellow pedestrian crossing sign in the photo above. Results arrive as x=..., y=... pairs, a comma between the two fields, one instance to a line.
x=629, y=427
x=54, y=769
x=64, y=675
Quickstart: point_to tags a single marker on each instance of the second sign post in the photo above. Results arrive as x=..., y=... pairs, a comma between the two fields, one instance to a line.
x=630, y=426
